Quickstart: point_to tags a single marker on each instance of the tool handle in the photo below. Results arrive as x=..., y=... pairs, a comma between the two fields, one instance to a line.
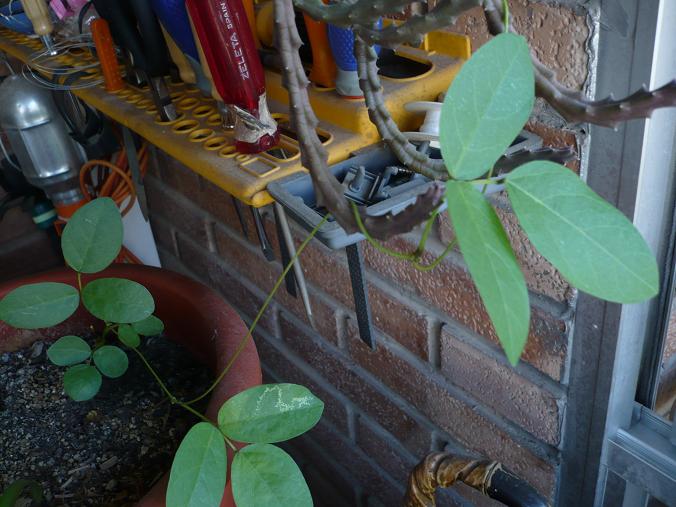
x=120, y=19
x=185, y=70
x=342, y=46
x=11, y=9
x=174, y=18
x=38, y=12
x=251, y=18
x=229, y=49
x=154, y=46
x=323, y=65
x=106, y=53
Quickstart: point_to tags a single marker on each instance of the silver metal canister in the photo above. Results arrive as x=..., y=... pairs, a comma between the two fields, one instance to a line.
x=49, y=158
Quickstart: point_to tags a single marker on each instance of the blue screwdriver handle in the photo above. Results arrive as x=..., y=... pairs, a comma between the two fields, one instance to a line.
x=174, y=18
x=342, y=46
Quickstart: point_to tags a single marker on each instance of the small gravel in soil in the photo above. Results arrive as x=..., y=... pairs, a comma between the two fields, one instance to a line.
x=107, y=451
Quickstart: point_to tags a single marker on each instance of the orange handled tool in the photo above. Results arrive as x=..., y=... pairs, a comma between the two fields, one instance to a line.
x=251, y=18
x=324, y=69
x=106, y=52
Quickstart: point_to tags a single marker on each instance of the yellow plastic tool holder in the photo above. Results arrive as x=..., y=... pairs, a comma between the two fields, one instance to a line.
x=197, y=140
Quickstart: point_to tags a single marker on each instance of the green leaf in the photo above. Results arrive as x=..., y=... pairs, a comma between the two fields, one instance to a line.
x=118, y=300
x=112, y=361
x=270, y=413
x=81, y=382
x=39, y=305
x=17, y=489
x=197, y=477
x=151, y=326
x=594, y=246
x=265, y=476
x=128, y=336
x=486, y=106
x=68, y=350
x=92, y=237
x=492, y=264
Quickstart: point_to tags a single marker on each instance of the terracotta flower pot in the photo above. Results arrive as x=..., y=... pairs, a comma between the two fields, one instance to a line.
x=194, y=316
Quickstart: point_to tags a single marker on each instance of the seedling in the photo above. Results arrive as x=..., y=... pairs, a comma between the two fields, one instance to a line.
x=262, y=474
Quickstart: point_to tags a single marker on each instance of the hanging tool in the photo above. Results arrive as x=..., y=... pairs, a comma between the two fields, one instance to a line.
x=342, y=45
x=266, y=247
x=324, y=68
x=355, y=263
x=174, y=19
x=105, y=51
x=185, y=70
x=38, y=12
x=137, y=177
x=286, y=239
x=136, y=29
x=290, y=277
x=230, y=51
x=13, y=17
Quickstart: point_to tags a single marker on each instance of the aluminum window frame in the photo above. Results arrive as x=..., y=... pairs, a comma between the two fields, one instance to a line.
x=603, y=439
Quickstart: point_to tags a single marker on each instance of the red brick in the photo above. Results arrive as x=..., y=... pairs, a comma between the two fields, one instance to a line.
x=401, y=322
x=248, y=261
x=450, y=289
x=212, y=272
x=373, y=481
x=395, y=461
x=163, y=233
x=29, y=253
x=541, y=277
x=177, y=210
x=178, y=176
x=452, y=415
x=330, y=468
x=283, y=367
x=498, y=386
x=408, y=430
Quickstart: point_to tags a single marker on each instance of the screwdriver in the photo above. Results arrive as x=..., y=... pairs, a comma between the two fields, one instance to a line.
x=38, y=12
x=225, y=35
x=136, y=29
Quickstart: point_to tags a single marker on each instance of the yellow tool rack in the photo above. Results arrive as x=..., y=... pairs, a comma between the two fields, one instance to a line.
x=197, y=140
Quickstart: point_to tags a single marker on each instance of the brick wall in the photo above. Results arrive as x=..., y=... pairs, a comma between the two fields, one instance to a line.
x=24, y=249
x=438, y=379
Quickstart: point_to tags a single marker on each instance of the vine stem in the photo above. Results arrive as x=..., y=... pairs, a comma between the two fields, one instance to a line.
x=413, y=258
x=176, y=401
x=505, y=10
x=79, y=280
x=252, y=327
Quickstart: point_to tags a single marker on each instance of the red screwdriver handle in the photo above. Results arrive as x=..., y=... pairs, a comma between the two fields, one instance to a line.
x=229, y=48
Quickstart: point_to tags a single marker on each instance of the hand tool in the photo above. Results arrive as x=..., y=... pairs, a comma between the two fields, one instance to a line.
x=106, y=54
x=38, y=12
x=174, y=19
x=13, y=17
x=185, y=70
x=290, y=277
x=266, y=247
x=342, y=45
x=324, y=68
x=237, y=73
x=136, y=29
x=132, y=157
x=251, y=18
x=287, y=239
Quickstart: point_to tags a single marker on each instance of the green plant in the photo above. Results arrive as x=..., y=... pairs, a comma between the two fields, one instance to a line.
x=19, y=489
x=262, y=474
x=594, y=246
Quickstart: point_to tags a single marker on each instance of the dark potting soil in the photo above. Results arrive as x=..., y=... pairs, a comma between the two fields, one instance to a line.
x=107, y=451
